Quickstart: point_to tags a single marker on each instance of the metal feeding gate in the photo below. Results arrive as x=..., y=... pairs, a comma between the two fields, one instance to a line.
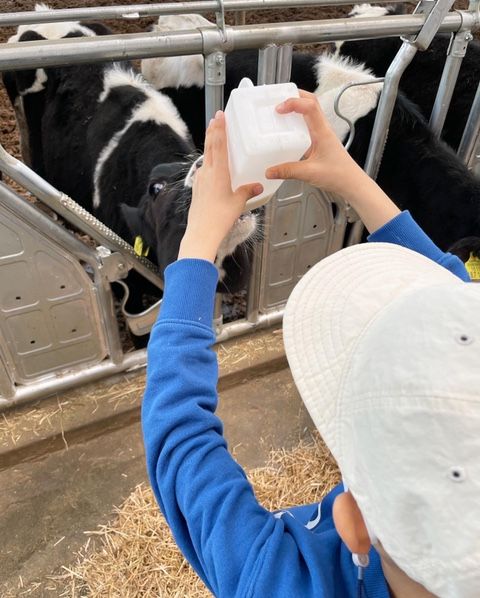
x=58, y=326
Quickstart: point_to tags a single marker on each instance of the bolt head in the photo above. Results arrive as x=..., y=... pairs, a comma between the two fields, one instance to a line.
x=468, y=37
x=219, y=59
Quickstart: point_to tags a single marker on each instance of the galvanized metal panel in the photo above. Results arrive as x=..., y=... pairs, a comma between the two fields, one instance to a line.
x=49, y=317
x=303, y=230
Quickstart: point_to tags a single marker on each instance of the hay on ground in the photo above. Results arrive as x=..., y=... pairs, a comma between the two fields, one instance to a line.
x=136, y=556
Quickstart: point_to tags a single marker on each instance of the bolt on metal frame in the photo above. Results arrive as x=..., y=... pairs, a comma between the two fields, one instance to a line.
x=274, y=43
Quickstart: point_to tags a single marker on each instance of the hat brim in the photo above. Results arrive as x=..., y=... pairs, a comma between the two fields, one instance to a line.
x=332, y=306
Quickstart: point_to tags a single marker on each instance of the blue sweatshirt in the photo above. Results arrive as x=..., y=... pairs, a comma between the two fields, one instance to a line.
x=237, y=547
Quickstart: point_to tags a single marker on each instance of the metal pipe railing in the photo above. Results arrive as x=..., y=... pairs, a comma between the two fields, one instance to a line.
x=455, y=55
x=62, y=382
x=63, y=52
x=215, y=77
x=137, y=11
x=471, y=132
x=267, y=72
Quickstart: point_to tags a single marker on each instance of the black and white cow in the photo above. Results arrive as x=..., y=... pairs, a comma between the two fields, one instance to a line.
x=102, y=134
x=419, y=172
x=422, y=77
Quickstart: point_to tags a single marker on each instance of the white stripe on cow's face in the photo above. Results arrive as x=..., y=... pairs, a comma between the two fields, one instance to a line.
x=176, y=71
x=51, y=30
x=156, y=107
x=333, y=73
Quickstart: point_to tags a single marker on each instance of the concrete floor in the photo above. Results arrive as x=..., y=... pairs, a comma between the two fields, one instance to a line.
x=46, y=505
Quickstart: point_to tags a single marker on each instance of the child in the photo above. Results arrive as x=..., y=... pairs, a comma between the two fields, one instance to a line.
x=383, y=343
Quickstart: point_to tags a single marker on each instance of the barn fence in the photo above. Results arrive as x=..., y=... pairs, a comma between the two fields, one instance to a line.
x=58, y=325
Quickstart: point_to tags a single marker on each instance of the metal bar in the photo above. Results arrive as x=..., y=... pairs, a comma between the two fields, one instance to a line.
x=61, y=382
x=382, y=122
x=284, y=64
x=48, y=227
x=267, y=71
x=240, y=17
x=214, y=81
x=75, y=214
x=455, y=55
x=215, y=77
x=38, y=54
x=435, y=11
x=385, y=107
x=244, y=326
x=471, y=132
x=267, y=65
x=136, y=11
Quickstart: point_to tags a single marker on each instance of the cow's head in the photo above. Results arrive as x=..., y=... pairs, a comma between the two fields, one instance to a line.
x=161, y=219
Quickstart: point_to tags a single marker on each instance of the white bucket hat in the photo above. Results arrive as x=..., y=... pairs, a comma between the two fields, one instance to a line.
x=384, y=347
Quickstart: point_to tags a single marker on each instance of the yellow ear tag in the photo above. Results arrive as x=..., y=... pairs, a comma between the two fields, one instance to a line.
x=139, y=248
x=473, y=267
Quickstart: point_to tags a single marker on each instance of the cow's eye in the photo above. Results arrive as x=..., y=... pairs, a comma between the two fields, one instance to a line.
x=156, y=188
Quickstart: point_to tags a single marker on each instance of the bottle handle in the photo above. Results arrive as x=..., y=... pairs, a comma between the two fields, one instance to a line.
x=245, y=82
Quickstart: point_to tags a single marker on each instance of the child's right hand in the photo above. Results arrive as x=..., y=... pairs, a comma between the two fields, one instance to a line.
x=330, y=167
x=327, y=164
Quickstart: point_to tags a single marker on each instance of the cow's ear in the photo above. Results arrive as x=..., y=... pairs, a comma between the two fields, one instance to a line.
x=132, y=218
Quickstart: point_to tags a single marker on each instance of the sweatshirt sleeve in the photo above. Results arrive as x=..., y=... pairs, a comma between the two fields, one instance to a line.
x=403, y=230
x=203, y=493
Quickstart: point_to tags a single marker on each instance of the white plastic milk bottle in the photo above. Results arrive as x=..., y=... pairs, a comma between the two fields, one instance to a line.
x=260, y=137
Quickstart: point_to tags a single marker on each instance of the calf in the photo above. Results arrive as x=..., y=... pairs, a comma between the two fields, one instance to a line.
x=422, y=77
x=98, y=132
x=419, y=172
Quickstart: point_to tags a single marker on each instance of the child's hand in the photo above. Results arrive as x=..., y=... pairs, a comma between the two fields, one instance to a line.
x=215, y=207
x=327, y=164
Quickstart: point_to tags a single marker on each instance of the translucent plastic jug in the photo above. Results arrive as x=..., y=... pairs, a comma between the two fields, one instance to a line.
x=260, y=137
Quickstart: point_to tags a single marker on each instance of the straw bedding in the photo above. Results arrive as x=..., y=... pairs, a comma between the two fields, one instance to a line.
x=136, y=556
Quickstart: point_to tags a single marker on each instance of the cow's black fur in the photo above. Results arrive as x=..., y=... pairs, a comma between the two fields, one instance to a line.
x=422, y=77
x=424, y=175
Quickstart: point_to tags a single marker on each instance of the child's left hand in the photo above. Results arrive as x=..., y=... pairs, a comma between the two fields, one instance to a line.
x=215, y=207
